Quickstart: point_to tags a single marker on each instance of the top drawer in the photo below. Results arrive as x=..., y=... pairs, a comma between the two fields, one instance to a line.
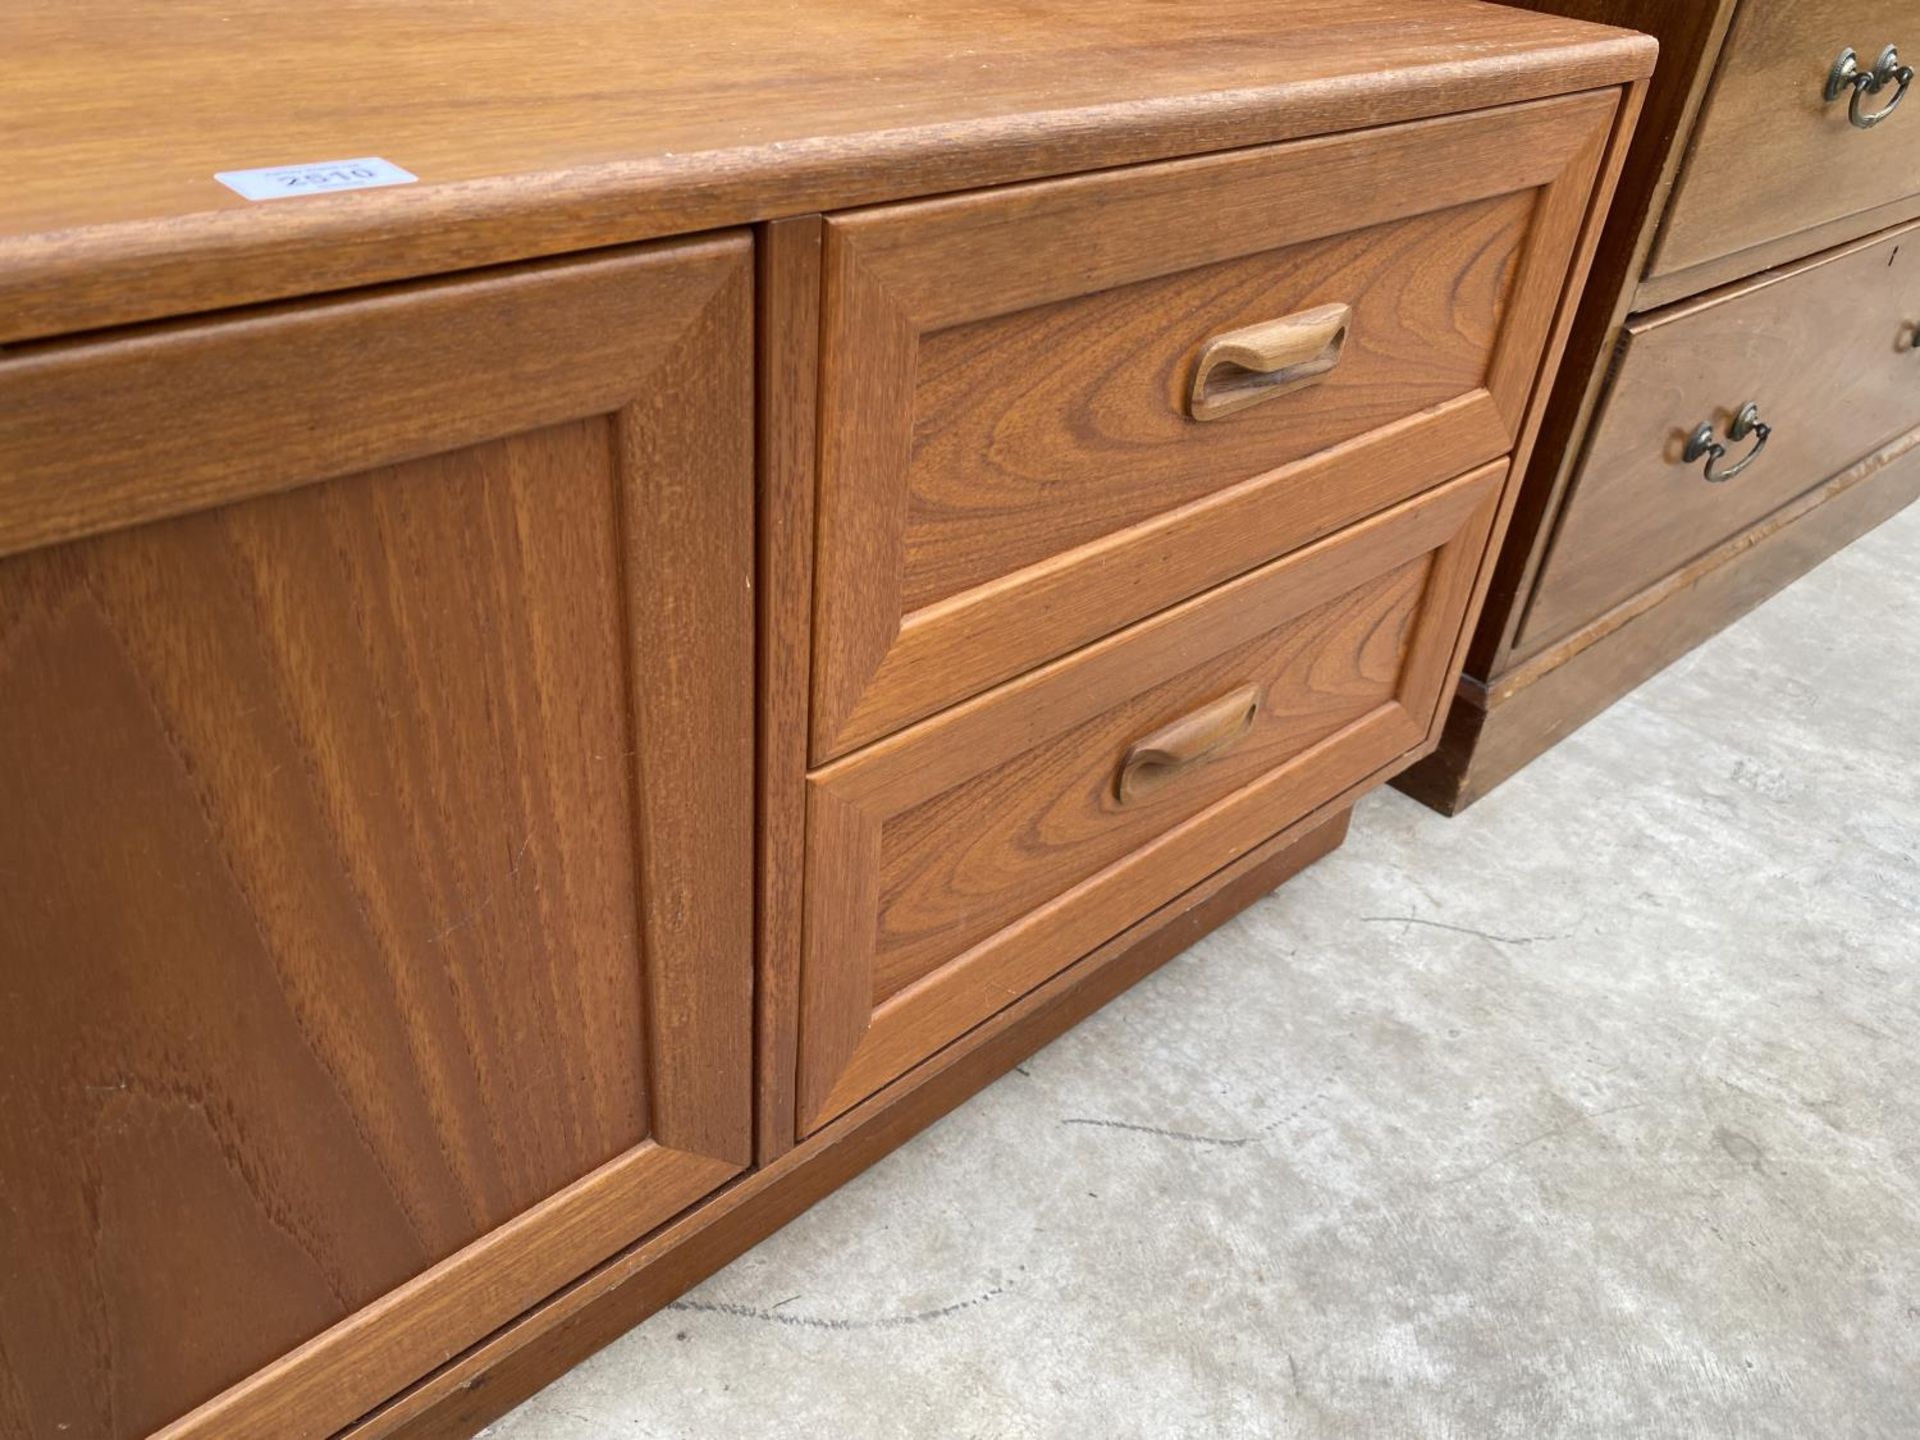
x=1771, y=156
x=1010, y=465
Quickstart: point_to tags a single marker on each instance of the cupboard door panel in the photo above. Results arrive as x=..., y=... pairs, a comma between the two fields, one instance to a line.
x=374, y=853
x=953, y=867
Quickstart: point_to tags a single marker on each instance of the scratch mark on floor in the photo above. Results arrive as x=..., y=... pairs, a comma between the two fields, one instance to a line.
x=1460, y=929
x=834, y=1322
x=1583, y=1117
x=1229, y=1141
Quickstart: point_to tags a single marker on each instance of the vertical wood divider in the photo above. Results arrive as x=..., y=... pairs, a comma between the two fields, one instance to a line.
x=787, y=374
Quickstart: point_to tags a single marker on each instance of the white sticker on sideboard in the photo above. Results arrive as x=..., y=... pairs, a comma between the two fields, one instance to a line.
x=281, y=181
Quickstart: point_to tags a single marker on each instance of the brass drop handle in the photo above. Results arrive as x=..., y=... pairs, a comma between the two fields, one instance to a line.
x=1273, y=358
x=1153, y=760
x=1746, y=422
x=1846, y=75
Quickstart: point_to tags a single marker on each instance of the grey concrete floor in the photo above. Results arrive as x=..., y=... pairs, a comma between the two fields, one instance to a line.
x=1592, y=1112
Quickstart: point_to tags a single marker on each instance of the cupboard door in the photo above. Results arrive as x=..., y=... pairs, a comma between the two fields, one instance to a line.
x=955, y=866
x=375, y=904
x=1025, y=445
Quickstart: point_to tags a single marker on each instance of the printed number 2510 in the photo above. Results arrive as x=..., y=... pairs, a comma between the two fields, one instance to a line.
x=304, y=178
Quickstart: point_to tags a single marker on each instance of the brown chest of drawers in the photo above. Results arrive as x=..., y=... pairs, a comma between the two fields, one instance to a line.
x=558, y=708
x=1739, y=398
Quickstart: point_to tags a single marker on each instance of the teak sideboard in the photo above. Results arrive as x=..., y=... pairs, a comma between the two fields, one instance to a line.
x=766, y=560
x=1740, y=396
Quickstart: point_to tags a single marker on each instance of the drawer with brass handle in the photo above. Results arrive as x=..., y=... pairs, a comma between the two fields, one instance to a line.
x=1050, y=410
x=1724, y=409
x=1807, y=124
x=955, y=866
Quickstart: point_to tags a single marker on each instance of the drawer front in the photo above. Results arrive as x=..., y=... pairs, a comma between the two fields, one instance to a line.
x=338, y=911
x=1771, y=156
x=955, y=866
x=1825, y=352
x=1010, y=465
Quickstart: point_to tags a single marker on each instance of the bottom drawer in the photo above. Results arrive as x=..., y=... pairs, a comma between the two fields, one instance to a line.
x=1824, y=352
x=954, y=866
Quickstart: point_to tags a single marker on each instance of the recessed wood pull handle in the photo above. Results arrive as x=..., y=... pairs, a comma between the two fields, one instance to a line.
x=1153, y=760
x=1275, y=357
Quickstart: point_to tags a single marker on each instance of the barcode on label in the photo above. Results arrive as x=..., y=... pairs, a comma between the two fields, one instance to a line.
x=283, y=181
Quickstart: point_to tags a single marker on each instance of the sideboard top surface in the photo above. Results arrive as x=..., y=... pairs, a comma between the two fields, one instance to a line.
x=536, y=129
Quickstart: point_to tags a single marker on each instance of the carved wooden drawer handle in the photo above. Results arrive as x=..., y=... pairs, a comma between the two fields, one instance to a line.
x=1244, y=367
x=1153, y=760
x=1846, y=75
